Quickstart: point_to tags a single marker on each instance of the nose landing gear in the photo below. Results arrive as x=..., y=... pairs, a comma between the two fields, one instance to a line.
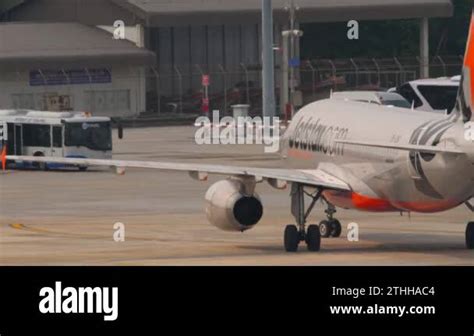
x=470, y=236
x=330, y=227
x=470, y=228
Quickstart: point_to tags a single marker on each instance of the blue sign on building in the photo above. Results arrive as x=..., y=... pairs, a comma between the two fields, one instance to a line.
x=295, y=62
x=70, y=77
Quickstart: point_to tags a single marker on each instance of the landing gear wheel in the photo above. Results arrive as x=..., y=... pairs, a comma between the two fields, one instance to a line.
x=336, y=229
x=470, y=236
x=325, y=229
x=295, y=234
x=313, y=238
x=292, y=238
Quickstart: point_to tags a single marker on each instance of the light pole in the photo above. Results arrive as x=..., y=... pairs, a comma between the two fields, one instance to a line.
x=268, y=61
x=293, y=34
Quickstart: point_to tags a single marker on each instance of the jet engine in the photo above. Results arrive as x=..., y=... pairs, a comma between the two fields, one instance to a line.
x=232, y=205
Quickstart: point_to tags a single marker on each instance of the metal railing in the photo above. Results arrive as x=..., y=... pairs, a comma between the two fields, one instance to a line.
x=317, y=78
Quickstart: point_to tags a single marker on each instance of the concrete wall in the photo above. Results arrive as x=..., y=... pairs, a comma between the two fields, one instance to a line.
x=124, y=96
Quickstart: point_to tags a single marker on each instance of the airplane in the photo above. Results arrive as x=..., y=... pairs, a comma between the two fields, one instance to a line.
x=349, y=155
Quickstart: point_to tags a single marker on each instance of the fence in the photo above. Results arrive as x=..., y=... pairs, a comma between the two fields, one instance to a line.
x=181, y=91
x=178, y=89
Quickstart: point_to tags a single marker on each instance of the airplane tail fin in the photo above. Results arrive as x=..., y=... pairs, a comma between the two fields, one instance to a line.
x=465, y=100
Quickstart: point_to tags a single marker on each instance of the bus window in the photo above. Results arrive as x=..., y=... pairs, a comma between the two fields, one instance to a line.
x=440, y=97
x=407, y=92
x=397, y=103
x=36, y=135
x=18, y=140
x=57, y=137
x=92, y=135
x=11, y=139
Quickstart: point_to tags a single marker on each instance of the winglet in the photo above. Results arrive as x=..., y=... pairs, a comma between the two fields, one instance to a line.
x=3, y=157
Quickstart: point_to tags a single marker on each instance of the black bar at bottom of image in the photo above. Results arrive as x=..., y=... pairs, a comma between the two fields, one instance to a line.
x=109, y=300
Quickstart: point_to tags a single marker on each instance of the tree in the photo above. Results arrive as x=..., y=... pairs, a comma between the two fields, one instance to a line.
x=388, y=38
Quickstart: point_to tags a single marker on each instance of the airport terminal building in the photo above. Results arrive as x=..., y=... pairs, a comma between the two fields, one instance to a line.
x=61, y=54
x=70, y=66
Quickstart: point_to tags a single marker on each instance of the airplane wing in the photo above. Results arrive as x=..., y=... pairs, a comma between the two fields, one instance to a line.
x=403, y=147
x=315, y=178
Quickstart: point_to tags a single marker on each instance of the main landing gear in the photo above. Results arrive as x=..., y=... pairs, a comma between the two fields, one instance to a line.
x=296, y=234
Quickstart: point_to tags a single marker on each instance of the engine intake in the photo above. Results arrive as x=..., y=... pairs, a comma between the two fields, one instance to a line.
x=230, y=208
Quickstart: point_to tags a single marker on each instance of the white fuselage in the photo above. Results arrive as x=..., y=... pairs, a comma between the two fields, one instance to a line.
x=381, y=179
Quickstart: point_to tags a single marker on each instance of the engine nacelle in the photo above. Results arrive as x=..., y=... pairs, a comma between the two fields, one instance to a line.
x=231, y=207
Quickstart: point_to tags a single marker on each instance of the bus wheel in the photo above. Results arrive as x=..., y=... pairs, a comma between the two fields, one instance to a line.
x=83, y=169
x=40, y=165
x=43, y=166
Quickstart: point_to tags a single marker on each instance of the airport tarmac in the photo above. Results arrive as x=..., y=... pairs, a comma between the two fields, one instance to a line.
x=68, y=217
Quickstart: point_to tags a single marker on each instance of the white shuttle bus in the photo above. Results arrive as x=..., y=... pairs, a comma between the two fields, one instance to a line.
x=431, y=95
x=55, y=134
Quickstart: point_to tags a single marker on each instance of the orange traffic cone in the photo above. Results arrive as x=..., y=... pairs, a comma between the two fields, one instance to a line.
x=4, y=157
